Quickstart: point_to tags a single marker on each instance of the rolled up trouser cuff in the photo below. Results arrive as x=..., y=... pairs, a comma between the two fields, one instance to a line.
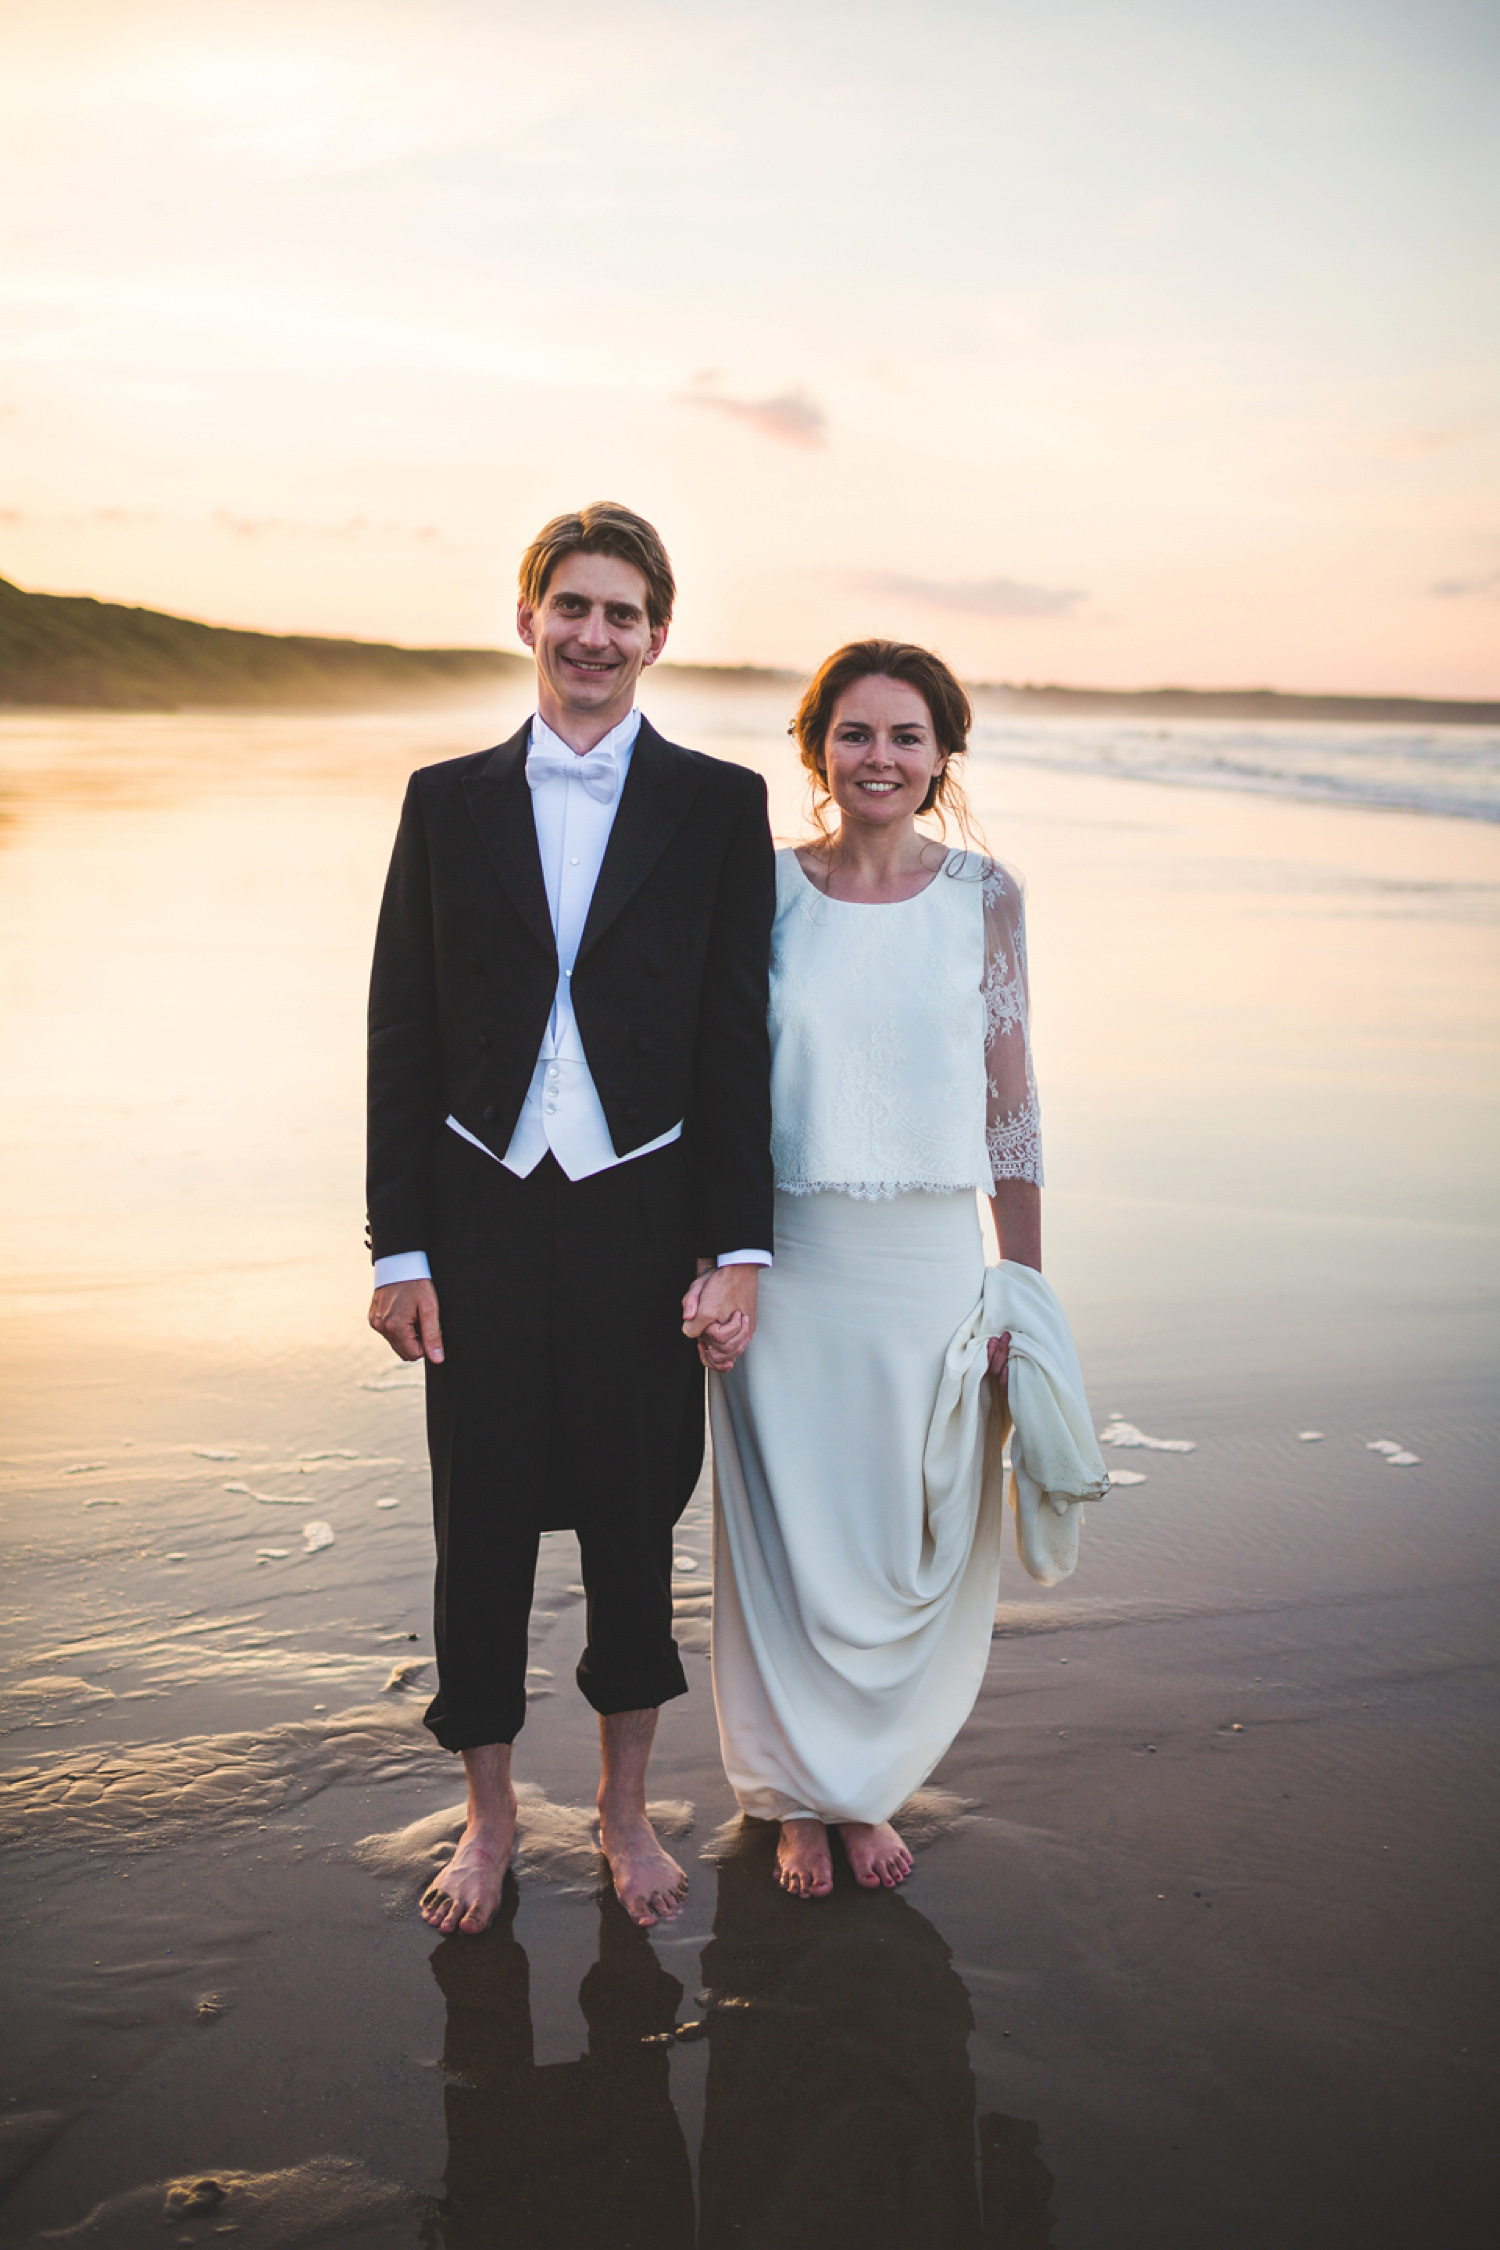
x=457, y=1730
x=642, y=1688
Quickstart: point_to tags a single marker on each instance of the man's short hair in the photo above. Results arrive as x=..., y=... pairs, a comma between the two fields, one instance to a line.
x=603, y=528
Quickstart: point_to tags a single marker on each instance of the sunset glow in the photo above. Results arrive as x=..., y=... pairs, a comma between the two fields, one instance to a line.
x=1110, y=345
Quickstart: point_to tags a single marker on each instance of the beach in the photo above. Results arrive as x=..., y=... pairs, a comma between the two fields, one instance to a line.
x=1199, y=1950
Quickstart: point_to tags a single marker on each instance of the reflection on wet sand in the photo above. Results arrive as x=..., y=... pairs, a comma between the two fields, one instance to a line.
x=840, y=2098
x=555, y=2156
x=840, y=2104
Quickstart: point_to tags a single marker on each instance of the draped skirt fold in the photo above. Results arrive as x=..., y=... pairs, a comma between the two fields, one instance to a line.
x=856, y=1545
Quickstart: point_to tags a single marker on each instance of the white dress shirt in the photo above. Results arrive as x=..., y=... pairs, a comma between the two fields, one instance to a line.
x=573, y=802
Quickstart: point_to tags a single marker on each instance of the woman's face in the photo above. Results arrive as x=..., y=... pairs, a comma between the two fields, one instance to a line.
x=881, y=752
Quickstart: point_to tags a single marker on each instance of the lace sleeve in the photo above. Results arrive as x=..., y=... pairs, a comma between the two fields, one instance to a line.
x=1013, y=1127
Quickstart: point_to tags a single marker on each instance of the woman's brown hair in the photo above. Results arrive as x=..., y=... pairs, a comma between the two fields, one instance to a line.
x=951, y=713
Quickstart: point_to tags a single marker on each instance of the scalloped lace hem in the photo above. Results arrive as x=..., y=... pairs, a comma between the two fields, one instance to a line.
x=880, y=1191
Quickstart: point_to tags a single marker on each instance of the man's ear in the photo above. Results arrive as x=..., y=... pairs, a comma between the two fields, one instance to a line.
x=658, y=643
x=526, y=624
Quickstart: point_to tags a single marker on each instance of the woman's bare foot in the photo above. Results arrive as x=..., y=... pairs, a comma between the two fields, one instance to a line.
x=876, y=1853
x=465, y=1894
x=649, y=1884
x=804, y=1866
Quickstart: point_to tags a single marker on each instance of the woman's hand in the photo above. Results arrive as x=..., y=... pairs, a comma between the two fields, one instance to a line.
x=999, y=1357
x=719, y=1312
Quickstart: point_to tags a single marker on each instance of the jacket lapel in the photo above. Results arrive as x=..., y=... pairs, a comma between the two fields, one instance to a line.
x=500, y=802
x=659, y=787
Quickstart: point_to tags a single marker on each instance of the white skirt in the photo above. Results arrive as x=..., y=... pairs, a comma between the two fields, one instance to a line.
x=856, y=1562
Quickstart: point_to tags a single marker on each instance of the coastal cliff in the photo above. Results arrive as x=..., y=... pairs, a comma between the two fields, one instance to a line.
x=68, y=651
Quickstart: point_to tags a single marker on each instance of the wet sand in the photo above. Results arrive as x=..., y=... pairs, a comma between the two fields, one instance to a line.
x=1200, y=1947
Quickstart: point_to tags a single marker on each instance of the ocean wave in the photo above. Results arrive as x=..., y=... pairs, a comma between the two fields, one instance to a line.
x=1452, y=772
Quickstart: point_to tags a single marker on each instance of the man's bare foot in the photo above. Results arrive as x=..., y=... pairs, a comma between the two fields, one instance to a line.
x=649, y=1884
x=465, y=1894
x=804, y=1865
x=876, y=1853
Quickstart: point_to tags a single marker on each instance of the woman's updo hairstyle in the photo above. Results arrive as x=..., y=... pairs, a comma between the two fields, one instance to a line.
x=949, y=708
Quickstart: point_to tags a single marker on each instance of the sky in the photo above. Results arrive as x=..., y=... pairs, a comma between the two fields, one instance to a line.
x=1119, y=342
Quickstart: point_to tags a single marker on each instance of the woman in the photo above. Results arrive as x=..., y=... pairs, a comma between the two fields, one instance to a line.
x=855, y=1567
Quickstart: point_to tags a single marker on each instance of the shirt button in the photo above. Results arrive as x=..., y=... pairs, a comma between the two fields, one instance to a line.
x=573, y=862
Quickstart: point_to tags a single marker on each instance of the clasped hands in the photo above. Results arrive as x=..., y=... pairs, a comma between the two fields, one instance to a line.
x=719, y=1309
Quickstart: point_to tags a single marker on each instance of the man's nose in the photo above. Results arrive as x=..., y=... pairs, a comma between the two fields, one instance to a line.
x=593, y=632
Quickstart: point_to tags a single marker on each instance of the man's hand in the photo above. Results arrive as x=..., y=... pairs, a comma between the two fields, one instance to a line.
x=405, y=1313
x=719, y=1310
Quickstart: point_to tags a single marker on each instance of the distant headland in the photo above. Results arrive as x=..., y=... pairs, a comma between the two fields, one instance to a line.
x=68, y=651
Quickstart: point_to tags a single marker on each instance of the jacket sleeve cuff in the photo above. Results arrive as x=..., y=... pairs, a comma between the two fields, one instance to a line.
x=743, y=1258
x=404, y=1265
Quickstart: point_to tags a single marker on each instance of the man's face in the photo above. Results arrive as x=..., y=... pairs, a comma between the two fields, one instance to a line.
x=591, y=636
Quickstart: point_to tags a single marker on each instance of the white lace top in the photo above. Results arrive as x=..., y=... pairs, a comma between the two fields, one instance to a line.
x=900, y=1055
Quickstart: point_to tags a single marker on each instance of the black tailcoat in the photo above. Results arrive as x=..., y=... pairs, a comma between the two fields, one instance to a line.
x=531, y=1424
x=669, y=988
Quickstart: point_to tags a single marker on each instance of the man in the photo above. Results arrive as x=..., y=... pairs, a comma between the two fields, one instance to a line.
x=569, y=1119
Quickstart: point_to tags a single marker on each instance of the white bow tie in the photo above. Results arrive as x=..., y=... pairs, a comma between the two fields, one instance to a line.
x=599, y=770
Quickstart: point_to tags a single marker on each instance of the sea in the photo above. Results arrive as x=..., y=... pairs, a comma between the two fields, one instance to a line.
x=1450, y=771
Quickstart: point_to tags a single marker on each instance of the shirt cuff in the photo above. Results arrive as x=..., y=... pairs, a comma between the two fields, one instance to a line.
x=406, y=1265
x=743, y=1258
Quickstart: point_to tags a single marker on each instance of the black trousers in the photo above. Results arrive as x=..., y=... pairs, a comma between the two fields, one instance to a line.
x=568, y=1398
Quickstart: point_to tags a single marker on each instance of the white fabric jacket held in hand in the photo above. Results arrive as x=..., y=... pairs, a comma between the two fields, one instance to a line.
x=1055, y=1457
